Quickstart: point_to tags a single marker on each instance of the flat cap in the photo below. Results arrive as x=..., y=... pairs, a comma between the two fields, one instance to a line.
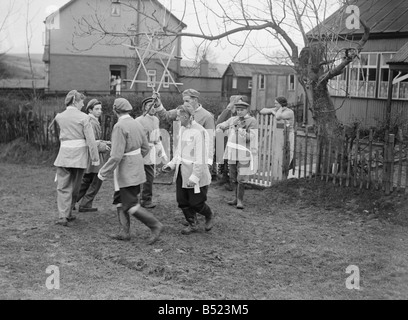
x=191, y=93
x=73, y=96
x=92, y=103
x=121, y=104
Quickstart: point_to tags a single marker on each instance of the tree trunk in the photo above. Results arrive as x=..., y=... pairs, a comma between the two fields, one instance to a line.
x=324, y=113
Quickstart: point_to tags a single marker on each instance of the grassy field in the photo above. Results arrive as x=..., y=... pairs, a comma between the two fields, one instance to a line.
x=295, y=240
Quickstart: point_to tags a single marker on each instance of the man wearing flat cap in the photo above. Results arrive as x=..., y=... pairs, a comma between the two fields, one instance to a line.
x=150, y=124
x=90, y=183
x=129, y=146
x=192, y=175
x=77, y=145
x=222, y=139
x=241, y=149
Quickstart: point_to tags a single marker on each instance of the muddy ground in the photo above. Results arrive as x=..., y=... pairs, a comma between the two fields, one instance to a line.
x=294, y=240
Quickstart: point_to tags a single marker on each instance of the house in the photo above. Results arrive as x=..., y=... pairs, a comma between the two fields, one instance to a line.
x=360, y=94
x=262, y=83
x=87, y=63
x=203, y=76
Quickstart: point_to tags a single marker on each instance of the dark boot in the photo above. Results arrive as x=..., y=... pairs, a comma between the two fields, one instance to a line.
x=228, y=186
x=234, y=201
x=240, y=196
x=149, y=220
x=209, y=217
x=124, y=222
x=191, y=219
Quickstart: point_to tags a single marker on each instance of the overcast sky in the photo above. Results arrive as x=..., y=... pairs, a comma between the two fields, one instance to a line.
x=40, y=9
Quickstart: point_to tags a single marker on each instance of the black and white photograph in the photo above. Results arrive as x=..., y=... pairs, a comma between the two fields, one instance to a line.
x=203, y=156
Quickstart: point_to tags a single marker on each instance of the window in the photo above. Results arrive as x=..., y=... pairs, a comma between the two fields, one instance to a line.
x=234, y=83
x=363, y=75
x=158, y=43
x=291, y=85
x=368, y=77
x=151, y=78
x=166, y=80
x=261, y=81
x=400, y=89
x=250, y=84
x=115, y=8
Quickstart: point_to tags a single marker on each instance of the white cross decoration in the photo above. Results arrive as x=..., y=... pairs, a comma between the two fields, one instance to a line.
x=142, y=64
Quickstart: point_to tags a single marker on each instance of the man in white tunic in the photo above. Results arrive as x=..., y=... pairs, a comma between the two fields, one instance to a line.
x=77, y=144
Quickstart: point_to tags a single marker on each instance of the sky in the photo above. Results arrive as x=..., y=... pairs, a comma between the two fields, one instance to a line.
x=14, y=38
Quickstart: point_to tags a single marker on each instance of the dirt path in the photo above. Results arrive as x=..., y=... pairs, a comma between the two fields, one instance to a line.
x=293, y=241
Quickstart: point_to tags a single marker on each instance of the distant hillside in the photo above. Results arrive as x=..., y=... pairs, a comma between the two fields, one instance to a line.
x=16, y=66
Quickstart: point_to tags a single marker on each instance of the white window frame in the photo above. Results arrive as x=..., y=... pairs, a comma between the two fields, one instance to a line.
x=291, y=85
x=151, y=78
x=166, y=80
x=261, y=82
x=361, y=86
x=250, y=84
x=234, y=82
x=117, y=13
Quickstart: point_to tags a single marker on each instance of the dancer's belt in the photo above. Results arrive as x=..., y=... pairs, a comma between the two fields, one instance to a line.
x=73, y=143
x=115, y=172
x=242, y=148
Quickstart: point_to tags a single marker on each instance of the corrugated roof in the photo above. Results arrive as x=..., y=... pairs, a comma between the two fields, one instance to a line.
x=382, y=16
x=247, y=69
x=192, y=69
x=401, y=57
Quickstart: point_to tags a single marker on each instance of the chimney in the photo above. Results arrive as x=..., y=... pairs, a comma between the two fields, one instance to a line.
x=204, y=67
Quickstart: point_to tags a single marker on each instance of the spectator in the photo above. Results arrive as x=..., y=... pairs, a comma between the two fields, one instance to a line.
x=241, y=149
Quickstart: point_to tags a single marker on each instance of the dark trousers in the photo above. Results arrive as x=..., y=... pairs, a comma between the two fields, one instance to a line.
x=147, y=187
x=186, y=198
x=128, y=197
x=235, y=177
x=90, y=186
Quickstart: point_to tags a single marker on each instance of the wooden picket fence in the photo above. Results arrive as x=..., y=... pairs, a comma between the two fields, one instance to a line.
x=361, y=163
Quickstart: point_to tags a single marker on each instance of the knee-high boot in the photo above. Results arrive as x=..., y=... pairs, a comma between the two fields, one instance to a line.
x=209, y=217
x=149, y=220
x=240, y=196
x=124, y=222
x=191, y=218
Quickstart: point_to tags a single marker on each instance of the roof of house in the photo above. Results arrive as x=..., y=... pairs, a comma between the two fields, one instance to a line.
x=192, y=69
x=183, y=25
x=385, y=17
x=401, y=57
x=248, y=69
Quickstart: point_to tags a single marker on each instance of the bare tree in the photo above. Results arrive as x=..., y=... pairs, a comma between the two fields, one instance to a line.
x=236, y=21
x=29, y=17
x=5, y=18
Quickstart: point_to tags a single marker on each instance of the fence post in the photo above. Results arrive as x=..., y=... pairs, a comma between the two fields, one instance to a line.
x=389, y=158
